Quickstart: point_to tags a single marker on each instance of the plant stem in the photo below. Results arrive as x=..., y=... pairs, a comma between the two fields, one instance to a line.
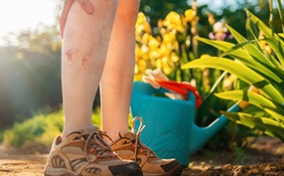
x=270, y=22
x=281, y=14
x=195, y=31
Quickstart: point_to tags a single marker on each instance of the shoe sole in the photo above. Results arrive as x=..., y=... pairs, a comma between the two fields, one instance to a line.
x=50, y=171
x=174, y=172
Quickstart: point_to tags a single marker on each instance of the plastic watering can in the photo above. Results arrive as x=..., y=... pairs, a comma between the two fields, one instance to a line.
x=170, y=130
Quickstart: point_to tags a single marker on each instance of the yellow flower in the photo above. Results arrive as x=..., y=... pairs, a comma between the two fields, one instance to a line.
x=167, y=69
x=153, y=42
x=141, y=19
x=145, y=38
x=158, y=63
x=174, y=57
x=136, y=69
x=169, y=37
x=173, y=22
x=189, y=15
x=154, y=54
x=142, y=25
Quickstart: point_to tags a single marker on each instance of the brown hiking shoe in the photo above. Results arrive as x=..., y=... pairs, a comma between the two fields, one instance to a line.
x=129, y=147
x=84, y=153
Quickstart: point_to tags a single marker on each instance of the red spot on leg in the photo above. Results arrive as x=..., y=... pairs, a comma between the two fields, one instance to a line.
x=68, y=54
x=84, y=63
x=85, y=60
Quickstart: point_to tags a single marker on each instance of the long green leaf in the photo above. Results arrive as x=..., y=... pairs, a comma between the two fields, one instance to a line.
x=261, y=25
x=241, y=71
x=263, y=123
x=252, y=98
x=236, y=52
x=275, y=115
x=270, y=125
x=279, y=109
x=281, y=14
x=253, y=50
x=224, y=46
x=237, y=118
x=278, y=47
x=275, y=110
x=257, y=66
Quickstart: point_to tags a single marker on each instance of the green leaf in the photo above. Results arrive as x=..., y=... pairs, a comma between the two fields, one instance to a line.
x=281, y=35
x=239, y=53
x=281, y=14
x=251, y=97
x=241, y=71
x=275, y=115
x=261, y=25
x=268, y=125
x=278, y=48
x=238, y=118
x=260, y=67
x=255, y=52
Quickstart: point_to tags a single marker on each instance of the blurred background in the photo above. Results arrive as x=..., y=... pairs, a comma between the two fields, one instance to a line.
x=30, y=49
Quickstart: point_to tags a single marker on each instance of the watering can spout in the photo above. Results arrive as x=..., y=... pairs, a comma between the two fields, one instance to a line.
x=204, y=134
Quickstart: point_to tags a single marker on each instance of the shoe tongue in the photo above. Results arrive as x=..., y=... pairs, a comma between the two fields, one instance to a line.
x=127, y=135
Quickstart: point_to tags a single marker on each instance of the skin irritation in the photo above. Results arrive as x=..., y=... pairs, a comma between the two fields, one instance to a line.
x=85, y=60
x=69, y=55
x=70, y=58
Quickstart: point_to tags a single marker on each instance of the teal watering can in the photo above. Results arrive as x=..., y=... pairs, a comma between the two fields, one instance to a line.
x=170, y=130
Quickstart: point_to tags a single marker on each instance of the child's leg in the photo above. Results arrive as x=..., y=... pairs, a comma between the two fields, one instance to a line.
x=117, y=78
x=85, y=43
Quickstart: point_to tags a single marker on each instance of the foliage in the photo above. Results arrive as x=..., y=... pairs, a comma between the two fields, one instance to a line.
x=29, y=74
x=40, y=129
x=258, y=61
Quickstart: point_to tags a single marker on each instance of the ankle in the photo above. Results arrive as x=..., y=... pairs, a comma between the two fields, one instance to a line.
x=67, y=130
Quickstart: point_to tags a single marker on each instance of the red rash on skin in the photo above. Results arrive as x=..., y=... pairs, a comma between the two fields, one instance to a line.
x=69, y=57
x=68, y=54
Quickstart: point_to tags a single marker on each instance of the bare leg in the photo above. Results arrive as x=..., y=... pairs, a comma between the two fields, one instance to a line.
x=85, y=43
x=117, y=78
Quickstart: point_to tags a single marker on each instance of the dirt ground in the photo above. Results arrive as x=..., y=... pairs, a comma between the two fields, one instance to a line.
x=263, y=158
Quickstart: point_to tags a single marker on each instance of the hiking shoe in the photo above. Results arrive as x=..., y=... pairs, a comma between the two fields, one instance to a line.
x=84, y=153
x=129, y=147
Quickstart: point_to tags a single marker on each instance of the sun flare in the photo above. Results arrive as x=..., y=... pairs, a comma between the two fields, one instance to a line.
x=17, y=15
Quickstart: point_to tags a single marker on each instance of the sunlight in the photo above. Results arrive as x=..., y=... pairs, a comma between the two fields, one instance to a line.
x=17, y=15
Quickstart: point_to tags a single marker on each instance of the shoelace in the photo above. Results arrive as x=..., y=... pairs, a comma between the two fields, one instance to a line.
x=136, y=140
x=96, y=142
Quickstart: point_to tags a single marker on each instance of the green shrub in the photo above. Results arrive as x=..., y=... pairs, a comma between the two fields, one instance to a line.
x=39, y=130
x=27, y=131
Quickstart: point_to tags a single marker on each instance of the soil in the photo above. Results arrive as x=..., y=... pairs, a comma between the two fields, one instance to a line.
x=264, y=157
